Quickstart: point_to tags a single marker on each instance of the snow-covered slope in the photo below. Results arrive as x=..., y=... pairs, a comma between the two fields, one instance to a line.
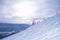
x=47, y=30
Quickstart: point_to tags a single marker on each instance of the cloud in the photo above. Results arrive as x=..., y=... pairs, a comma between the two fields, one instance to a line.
x=48, y=8
x=44, y=8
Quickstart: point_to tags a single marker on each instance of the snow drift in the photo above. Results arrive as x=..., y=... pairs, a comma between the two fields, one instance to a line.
x=47, y=30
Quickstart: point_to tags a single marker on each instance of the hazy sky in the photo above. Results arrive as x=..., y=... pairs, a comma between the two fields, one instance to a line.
x=11, y=10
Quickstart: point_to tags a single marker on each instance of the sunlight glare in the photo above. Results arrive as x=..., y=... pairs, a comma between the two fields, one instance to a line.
x=25, y=9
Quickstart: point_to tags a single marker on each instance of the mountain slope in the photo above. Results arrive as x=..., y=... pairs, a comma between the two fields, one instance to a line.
x=47, y=30
x=7, y=27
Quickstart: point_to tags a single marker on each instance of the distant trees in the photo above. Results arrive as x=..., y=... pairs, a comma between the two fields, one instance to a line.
x=33, y=22
x=37, y=20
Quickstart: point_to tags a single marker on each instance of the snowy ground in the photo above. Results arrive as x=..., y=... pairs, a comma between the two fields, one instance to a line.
x=47, y=30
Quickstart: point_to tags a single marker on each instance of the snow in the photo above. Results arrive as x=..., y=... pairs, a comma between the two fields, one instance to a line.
x=46, y=30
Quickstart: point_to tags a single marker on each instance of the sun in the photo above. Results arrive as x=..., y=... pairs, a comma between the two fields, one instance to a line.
x=25, y=9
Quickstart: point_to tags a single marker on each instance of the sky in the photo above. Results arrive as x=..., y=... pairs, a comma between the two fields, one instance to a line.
x=15, y=10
